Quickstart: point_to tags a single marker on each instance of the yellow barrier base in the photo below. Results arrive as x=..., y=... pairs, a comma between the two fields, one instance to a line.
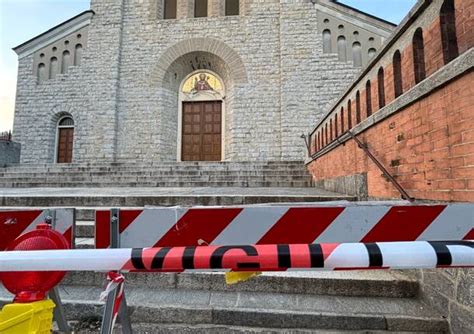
x=28, y=318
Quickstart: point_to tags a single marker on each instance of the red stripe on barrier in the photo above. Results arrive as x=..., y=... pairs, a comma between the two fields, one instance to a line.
x=300, y=225
x=102, y=225
x=403, y=223
x=68, y=235
x=102, y=229
x=198, y=224
x=127, y=217
x=13, y=223
x=470, y=235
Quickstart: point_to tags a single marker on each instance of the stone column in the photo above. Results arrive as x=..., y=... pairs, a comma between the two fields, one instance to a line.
x=216, y=8
x=185, y=9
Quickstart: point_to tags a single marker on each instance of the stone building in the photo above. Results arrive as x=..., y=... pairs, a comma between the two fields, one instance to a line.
x=174, y=80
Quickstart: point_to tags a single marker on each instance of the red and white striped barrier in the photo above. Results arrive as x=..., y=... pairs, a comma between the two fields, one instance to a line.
x=345, y=256
x=15, y=222
x=264, y=224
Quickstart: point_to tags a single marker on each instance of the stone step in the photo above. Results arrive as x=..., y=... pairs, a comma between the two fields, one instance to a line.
x=180, y=173
x=146, y=328
x=168, y=178
x=110, y=184
x=84, y=229
x=340, y=283
x=259, y=309
x=162, y=196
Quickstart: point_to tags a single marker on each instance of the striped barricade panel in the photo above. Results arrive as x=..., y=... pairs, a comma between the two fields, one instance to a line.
x=15, y=222
x=275, y=224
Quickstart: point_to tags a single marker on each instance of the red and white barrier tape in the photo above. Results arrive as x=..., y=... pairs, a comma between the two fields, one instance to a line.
x=290, y=224
x=380, y=255
x=116, y=281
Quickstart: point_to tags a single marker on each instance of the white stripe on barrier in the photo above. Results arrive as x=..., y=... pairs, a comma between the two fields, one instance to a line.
x=445, y=227
x=150, y=225
x=353, y=224
x=249, y=226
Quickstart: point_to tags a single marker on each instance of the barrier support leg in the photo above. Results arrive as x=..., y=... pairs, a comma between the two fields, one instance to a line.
x=108, y=318
x=124, y=317
x=59, y=314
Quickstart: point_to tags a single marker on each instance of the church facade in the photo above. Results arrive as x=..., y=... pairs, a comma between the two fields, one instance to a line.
x=183, y=80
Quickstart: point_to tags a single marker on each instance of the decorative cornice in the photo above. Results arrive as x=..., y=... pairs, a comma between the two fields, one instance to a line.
x=54, y=34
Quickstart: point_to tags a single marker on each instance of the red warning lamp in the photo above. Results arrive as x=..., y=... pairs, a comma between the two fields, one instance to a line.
x=30, y=286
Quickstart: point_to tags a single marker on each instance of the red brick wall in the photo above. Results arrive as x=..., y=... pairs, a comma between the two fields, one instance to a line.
x=429, y=147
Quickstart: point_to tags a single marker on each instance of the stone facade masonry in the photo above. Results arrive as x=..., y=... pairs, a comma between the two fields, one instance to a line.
x=124, y=95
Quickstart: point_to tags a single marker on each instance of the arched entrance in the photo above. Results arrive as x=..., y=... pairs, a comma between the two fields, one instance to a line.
x=200, y=117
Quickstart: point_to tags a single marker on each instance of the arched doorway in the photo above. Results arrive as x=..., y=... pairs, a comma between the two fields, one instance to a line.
x=200, y=119
x=65, y=140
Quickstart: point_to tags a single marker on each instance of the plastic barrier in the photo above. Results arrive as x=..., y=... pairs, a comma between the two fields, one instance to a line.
x=29, y=318
x=15, y=222
x=276, y=224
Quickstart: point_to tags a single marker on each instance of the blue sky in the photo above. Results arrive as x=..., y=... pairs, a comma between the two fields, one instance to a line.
x=21, y=20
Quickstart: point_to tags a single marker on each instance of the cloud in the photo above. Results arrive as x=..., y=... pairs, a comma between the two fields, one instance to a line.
x=7, y=98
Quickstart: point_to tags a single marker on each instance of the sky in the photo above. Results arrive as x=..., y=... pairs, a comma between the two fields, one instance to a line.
x=21, y=20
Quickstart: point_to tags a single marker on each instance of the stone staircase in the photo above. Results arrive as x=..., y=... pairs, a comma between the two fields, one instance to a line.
x=305, y=302
x=163, y=174
x=291, y=302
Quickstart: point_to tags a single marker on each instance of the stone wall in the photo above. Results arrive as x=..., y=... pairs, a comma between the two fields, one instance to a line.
x=9, y=152
x=423, y=137
x=451, y=292
x=124, y=95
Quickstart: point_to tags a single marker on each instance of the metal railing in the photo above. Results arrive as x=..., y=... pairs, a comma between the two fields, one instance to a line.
x=6, y=136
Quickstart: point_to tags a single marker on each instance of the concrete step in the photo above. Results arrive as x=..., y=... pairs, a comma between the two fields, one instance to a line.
x=144, y=328
x=353, y=283
x=84, y=229
x=162, y=196
x=82, y=184
x=260, y=310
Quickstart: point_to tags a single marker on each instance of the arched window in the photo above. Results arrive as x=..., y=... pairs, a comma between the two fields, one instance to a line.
x=368, y=97
x=326, y=135
x=169, y=9
x=372, y=52
x=66, y=61
x=42, y=74
x=357, y=54
x=327, y=47
x=78, y=55
x=330, y=130
x=381, y=87
x=358, y=107
x=448, y=31
x=232, y=7
x=336, y=126
x=65, y=140
x=342, y=120
x=200, y=8
x=349, y=114
x=341, y=48
x=397, y=74
x=53, y=67
x=419, y=56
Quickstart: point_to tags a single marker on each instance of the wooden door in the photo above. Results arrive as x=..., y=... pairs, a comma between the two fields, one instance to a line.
x=201, y=131
x=65, y=143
